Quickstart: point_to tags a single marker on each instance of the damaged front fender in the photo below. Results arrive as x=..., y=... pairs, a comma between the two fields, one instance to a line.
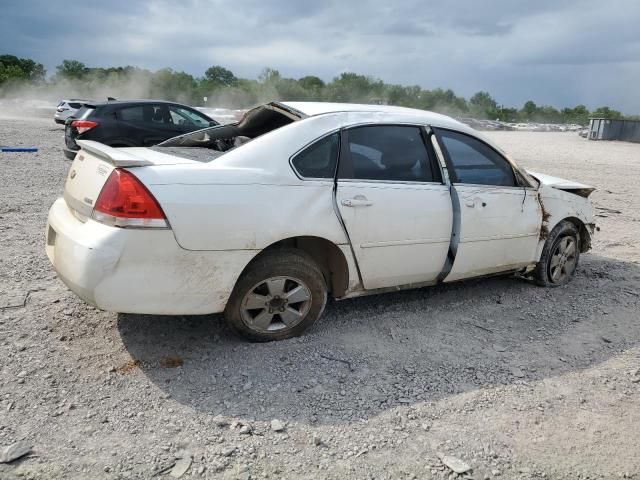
x=558, y=205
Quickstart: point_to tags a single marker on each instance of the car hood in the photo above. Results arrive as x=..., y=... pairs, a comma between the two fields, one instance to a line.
x=563, y=184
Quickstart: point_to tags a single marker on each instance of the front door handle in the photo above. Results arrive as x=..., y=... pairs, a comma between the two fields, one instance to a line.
x=358, y=201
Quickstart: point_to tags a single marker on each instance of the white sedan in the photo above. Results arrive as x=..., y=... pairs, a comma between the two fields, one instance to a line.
x=264, y=218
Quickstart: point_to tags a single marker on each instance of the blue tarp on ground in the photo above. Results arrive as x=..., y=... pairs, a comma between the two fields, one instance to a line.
x=18, y=149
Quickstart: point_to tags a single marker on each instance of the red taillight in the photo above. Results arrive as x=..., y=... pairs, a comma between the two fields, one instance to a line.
x=84, y=125
x=125, y=202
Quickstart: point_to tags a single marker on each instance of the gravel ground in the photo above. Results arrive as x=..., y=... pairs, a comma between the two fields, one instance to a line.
x=514, y=380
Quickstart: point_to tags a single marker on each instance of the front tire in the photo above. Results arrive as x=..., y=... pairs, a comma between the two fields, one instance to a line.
x=560, y=255
x=280, y=295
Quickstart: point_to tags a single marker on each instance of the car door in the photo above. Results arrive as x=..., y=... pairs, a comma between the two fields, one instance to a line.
x=394, y=205
x=496, y=219
x=146, y=124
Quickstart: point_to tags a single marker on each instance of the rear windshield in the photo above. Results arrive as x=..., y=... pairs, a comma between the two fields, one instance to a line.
x=83, y=112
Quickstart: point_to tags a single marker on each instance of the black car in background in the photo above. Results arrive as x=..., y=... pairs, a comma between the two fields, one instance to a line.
x=131, y=123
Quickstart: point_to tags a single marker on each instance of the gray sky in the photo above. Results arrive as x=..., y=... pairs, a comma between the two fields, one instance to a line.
x=555, y=52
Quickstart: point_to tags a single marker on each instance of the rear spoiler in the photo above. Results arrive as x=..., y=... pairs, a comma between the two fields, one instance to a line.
x=114, y=156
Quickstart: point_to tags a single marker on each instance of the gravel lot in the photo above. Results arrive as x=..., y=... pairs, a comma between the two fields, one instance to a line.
x=515, y=380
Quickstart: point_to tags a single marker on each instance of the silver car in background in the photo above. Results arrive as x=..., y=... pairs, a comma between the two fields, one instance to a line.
x=67, y=108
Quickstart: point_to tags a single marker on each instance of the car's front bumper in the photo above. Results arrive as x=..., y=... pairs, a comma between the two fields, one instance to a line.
x=138, y=270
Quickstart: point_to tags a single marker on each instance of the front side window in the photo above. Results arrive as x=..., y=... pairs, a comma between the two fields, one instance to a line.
x=319, y=159
x=474, y=162
x=387, y=152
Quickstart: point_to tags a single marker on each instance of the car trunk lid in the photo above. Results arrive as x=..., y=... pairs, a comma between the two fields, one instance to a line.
x=94, y=163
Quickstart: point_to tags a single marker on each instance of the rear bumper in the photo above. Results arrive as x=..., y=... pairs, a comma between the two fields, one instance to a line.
x=138, y=270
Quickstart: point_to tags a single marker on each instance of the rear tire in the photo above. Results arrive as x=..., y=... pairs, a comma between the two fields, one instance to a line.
x=560, y=255
x=280, y=295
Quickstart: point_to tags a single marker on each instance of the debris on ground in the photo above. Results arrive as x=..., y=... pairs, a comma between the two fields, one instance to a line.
x=181, y=466
x=277, y=426
x=454, y=463
x=14, y=451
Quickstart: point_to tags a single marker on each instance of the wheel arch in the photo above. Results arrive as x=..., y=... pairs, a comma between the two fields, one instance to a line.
x=327, y=255
x=584, y=239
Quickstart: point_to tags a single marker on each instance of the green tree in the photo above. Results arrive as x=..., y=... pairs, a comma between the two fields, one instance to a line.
x=224, y=89
x=269, y=76
x=312, y=84
x=218, y=76
x=507, y=114
x=71, y=69
x=606, y=112
x=176, y=86
x=482, y=105
x=528, y=111
x=351, y=87
x=548, y=114
x=14, y=68
x=444, y=101
x=10, y=73
x=579, y=114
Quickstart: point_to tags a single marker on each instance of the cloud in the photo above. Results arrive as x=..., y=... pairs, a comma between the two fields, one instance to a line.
x=556, y=52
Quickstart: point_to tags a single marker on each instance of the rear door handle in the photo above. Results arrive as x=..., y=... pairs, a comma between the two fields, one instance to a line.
x=356, y=202
x=470, y=203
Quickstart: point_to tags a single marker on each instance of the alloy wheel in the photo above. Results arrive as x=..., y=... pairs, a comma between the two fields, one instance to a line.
x=563, y=260
x=274, y=304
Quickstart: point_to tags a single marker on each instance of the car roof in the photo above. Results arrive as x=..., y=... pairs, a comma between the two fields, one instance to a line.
x=135, y=102
x=310, y=109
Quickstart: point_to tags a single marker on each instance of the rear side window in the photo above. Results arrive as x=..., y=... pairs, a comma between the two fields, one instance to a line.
x=474, y=162
x=319, y=159
x=145, y=113
x=75, y=105
x=83, y=112
x=387, y=152
x=131, y=114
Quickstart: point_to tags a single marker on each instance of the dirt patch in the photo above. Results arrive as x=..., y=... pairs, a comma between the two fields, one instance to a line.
x=171, y=362
x=128, y=367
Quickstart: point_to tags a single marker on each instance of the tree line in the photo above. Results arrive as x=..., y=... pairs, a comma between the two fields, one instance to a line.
x=222, y=88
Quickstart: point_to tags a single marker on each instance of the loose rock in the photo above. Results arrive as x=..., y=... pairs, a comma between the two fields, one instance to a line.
x=277, y=426
x=14, y=451
x=454, y=463
x=181, y=467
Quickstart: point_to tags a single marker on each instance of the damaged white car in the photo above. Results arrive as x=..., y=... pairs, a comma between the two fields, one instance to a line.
x=265, y=218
